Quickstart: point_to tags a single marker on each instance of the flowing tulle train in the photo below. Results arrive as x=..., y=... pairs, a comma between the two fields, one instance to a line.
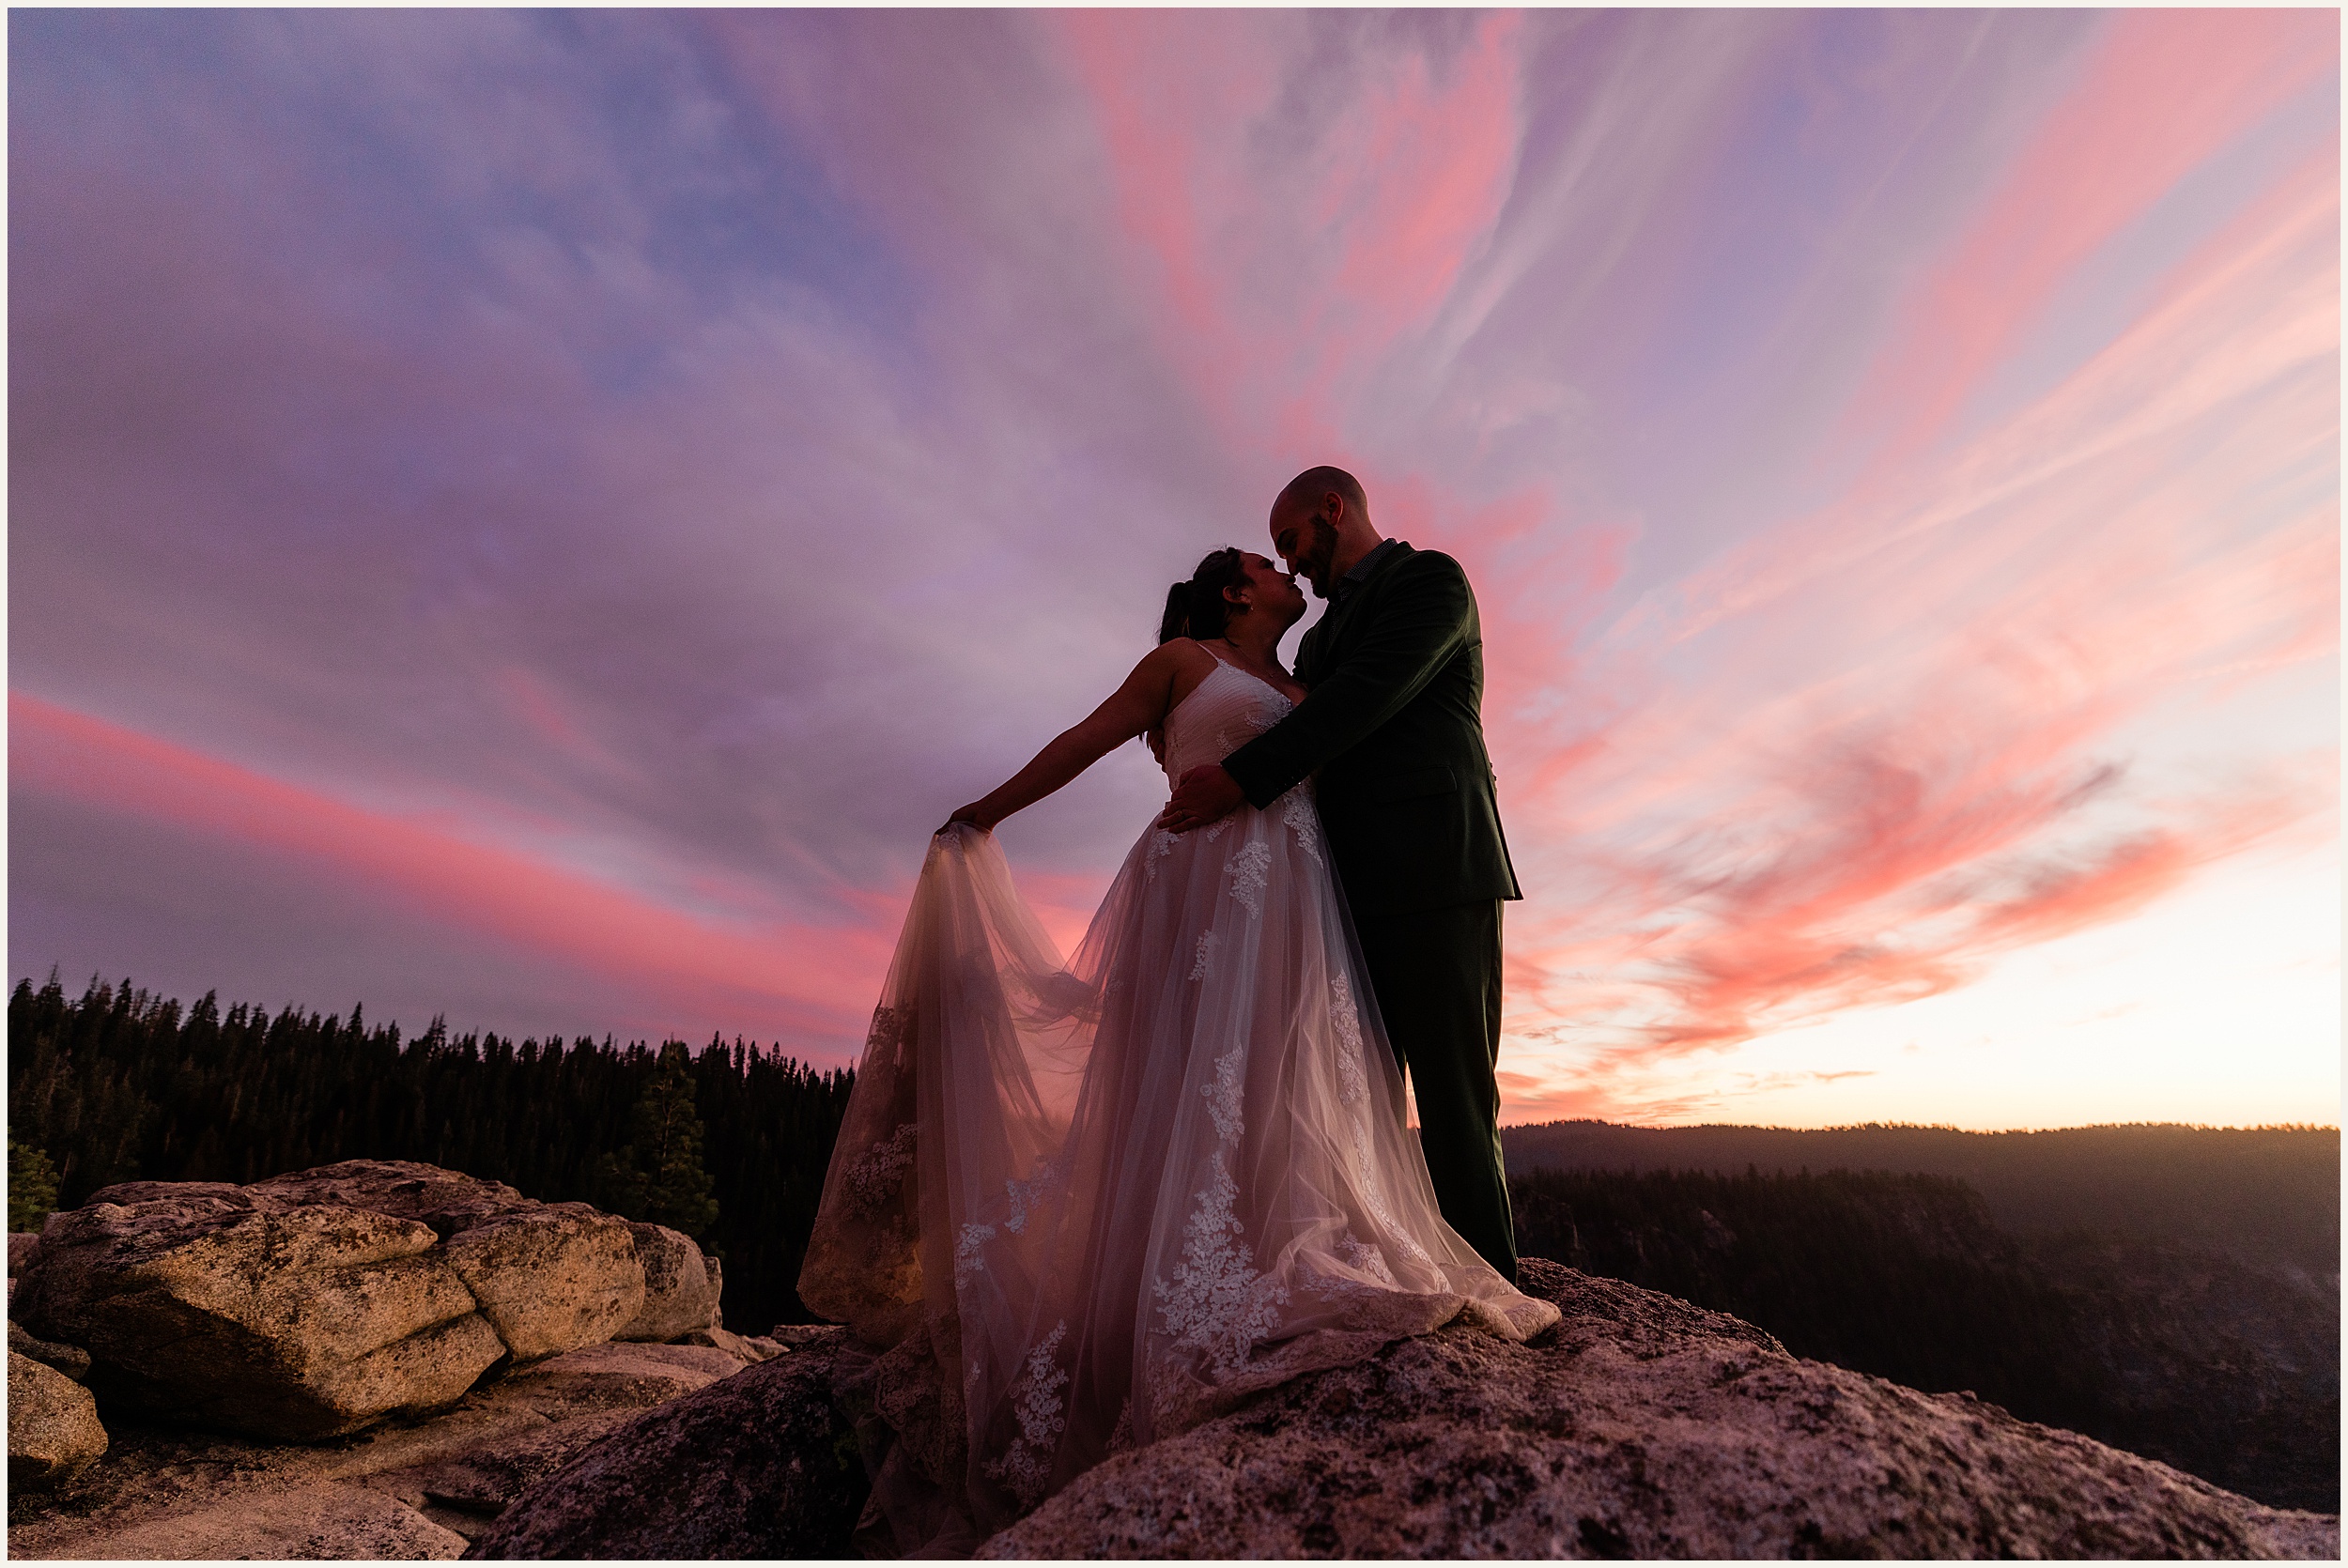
x=1075, y=1207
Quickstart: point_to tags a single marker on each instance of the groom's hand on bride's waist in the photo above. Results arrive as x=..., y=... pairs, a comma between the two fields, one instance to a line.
x=1204, y=794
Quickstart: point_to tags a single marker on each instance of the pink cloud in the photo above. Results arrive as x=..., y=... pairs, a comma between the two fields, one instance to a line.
x=2166, y=90
x=1290, y=251
x=805, y=980
x=1901, y=760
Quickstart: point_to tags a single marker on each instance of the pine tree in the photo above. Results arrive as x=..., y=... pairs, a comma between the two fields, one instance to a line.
x=32, y=1186
x=658, y=1176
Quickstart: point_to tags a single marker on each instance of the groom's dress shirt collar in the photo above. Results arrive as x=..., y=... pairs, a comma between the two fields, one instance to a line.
x=1343, y=588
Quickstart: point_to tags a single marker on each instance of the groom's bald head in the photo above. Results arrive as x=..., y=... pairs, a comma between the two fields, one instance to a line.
x=1312, y=491
x=1321, y=525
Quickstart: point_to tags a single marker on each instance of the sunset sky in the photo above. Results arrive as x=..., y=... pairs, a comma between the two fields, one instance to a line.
x=535, y=517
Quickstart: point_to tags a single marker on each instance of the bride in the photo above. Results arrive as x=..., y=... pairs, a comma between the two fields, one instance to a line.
x=1077, y=1207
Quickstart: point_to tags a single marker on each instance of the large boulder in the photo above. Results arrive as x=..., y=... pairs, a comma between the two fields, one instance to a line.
x=553, y=1278
x=314, y=1304
x=761, y=1464
x=1643, y=1427
x=681, y=1286
x=301, y=1323
x=54, y=1429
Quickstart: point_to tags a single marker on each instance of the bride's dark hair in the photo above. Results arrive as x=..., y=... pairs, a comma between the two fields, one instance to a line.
x=1198, y=607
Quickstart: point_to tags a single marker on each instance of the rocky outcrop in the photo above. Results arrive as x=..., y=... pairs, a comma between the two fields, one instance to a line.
x=759, y=1465
x=317, y=1303
x=54, y=1429
x=1640, y=1427
x=298, y=1322
x=398, y=1490
x=550, y=1279
x=71, y=1360
x=681, y=1286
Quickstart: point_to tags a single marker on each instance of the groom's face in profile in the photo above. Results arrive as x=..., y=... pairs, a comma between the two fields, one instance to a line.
x=1306, y=539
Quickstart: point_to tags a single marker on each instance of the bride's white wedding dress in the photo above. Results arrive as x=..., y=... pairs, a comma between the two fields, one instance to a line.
x=1077, y=1207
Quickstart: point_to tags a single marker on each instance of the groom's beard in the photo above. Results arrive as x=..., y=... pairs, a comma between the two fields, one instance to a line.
x=1320, y=548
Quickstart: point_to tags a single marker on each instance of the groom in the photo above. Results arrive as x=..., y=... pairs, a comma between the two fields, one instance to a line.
x=1392, y=726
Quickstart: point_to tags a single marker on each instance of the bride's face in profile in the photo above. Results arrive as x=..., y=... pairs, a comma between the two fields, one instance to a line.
x=1273, y=591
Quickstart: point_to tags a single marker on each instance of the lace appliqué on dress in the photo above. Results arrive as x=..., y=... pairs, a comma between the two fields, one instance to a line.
x=880, y=1175
x=1296, y=810
x=1160, y=847
x=1037, y=1402
x=1352, y=1072
x=1368, y=1259
x=1028, y=1195
x=1205, y=958
x=1225, y=1092
x=1250, y=870
x=969, y=1253
x=1375, y=1201
x=1217, y=1305
x=887, y=1032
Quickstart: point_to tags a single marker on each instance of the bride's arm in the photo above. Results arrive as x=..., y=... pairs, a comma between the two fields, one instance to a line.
x=1135, y=708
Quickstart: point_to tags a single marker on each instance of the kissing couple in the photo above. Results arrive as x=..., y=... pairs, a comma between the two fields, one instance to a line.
x=1078, y=1206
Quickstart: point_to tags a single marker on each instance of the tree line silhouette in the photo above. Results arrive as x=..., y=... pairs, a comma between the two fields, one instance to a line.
x=728, y=1144
x=2263, y=1194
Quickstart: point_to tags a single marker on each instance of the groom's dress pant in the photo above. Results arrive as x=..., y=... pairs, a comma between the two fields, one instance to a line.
x=1436, y=974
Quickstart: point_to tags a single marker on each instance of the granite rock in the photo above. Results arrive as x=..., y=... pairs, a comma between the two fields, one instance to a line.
x=681, y=1286
x=761, y=1464
x=551, y=1278
x=302, y=1322
x=71, y=1360
x=313, y=1304
x=399, y=1489
x=1638, y=1426
x=54, y=1429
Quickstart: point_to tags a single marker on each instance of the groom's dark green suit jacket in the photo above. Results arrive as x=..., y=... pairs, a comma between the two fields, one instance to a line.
x=1392, y=721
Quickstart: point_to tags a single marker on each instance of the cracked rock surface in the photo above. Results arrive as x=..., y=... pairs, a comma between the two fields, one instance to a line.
x=314, y=1304
x=397, y=1490
x=52, y=1425
x=1640, y=1427
x=761, y=1464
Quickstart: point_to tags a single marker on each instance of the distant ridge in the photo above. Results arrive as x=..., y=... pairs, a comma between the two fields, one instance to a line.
x=2268, y=1193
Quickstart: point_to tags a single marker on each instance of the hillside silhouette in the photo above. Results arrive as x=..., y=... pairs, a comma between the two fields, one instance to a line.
x=2263, y=1195
x=2226, y=1368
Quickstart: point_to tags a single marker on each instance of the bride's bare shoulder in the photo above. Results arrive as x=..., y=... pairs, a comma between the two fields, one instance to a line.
x=1183, y=663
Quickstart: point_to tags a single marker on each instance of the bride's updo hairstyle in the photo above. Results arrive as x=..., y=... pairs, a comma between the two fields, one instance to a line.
x=1198, y=607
